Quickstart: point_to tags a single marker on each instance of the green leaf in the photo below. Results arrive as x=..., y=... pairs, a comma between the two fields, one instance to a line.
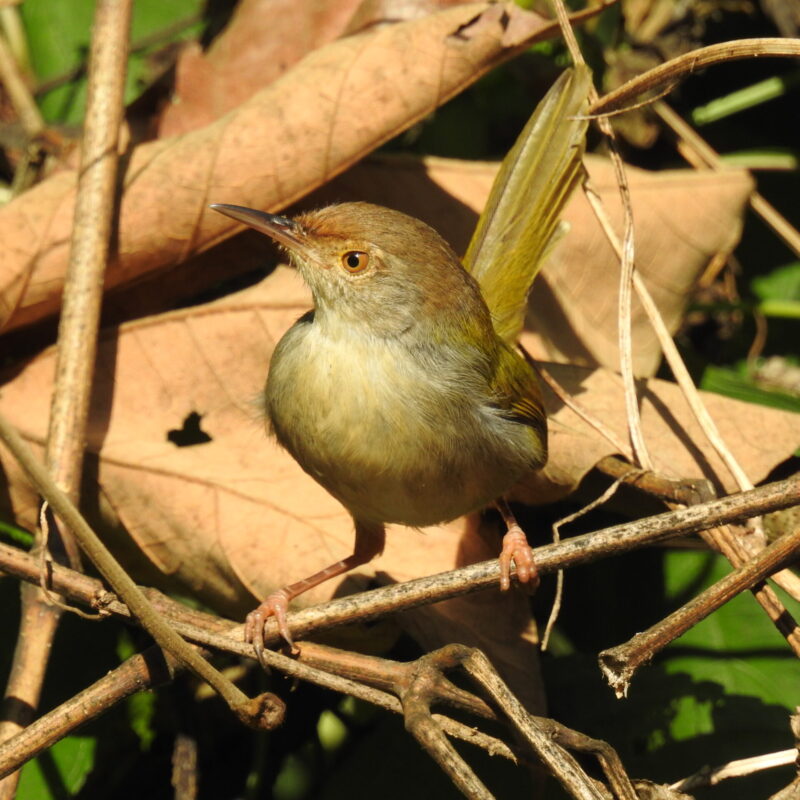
x=522, y=213
x=736, y=654
x=737, y=383
x=782, y=283
x=59, y=39
x=141, y=708
x=297, y=774
x=746, y=98
x=58, y=772
x=16, y=535
x=738, y=625
x=777, y=158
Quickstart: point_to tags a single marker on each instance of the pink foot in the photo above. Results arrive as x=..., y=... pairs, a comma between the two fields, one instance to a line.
x=276, y=605
x=517, y=549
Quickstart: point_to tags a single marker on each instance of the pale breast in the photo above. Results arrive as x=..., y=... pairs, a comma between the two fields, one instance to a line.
x=394, y=438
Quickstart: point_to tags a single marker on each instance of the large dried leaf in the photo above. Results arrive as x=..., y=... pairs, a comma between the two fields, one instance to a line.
x=263, y=39
x=332, y=108
x=682, y=220
x=759, y=438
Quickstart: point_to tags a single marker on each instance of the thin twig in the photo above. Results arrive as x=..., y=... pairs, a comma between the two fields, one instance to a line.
x=690, y=393
x=675, y=361
x=598, y=501
x=608, y=758
x=77, y=339
x=136, y=673
x=627, y=261
x=251, y=711
x=700, y=154
x=549, y=558
x=94, y=211
x=786, y=580
x=417, y=697
x=721, y=539
x=678, y=68
x=685, y=492
x=17, y=89
x=419, y=721
x=13, y=29
x=792, y=790
x=34, y=149
x=736, y=769
x=620, y=663
x=571, y=403
x=557, y=760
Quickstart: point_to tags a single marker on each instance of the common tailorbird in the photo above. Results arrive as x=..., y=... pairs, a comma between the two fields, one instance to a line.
x=395, y=393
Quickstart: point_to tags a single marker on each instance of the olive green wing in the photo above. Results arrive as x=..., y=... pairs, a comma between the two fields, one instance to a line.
x=520, y=221
x=516, y=393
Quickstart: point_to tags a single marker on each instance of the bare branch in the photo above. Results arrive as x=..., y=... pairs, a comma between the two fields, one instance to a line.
x=619, y=663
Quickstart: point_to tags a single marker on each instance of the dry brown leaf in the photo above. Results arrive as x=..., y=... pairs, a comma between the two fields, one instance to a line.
x=682, y=220
x=332, y=108
x=263, y=39
x=759, y=437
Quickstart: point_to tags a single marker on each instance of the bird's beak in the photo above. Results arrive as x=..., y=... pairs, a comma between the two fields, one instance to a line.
x=283, y=230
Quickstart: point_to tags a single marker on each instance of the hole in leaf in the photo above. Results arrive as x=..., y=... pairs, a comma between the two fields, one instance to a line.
x=190, y=433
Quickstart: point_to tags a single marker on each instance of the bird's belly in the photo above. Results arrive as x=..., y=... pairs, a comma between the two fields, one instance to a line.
x=404, y=481
x=387, y=440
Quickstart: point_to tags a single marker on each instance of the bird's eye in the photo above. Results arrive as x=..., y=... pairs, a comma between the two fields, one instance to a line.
x=355, y=261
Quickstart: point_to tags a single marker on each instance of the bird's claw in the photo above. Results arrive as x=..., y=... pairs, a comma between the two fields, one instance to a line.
x=275, y=605
x=517, y=550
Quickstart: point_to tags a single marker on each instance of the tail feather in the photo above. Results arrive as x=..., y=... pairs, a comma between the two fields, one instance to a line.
x=520, y=222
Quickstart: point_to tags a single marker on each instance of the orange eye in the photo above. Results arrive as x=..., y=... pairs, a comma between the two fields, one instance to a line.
x=355, y=261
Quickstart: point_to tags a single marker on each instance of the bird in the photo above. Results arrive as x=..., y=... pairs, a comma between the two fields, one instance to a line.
x=396, y=393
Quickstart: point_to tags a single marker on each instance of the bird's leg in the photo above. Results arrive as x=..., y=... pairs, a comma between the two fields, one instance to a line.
x=370, y=538
x=516, y=549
